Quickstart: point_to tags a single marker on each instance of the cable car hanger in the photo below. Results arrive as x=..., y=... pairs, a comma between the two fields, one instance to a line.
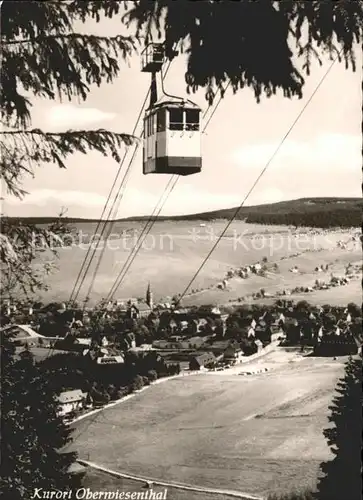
x=167, y=149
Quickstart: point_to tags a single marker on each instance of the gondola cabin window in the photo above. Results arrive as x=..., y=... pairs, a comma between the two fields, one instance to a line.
x=184, y=119
x=192, y=119
x=172, y=141
x=161, y=120
x=150, y=135
x=176, y=119
x=150, y=125
x=152, y=58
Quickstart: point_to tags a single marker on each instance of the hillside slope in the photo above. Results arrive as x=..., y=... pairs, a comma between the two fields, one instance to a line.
x=315, y=212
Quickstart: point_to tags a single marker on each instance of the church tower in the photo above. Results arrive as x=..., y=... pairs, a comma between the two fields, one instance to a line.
x=149, y=297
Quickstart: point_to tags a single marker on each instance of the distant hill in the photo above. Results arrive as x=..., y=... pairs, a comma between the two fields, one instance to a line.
x=300, y=206
x=315, y=212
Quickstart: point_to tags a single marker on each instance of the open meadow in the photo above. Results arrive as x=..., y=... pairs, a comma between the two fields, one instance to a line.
x=174, y=250
x=103, y=482
x=257, y=434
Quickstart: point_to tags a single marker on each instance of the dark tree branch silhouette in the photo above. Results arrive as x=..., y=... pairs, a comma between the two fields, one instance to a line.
x=33, y=432
x=342, y=475
x=251, y=43
x=20, y=245
x=44, y=57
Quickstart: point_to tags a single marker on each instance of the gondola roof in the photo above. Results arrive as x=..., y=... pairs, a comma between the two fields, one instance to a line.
x=173, y=101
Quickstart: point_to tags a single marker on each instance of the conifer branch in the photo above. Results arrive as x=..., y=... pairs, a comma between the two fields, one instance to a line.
x=128, y=42
x=56, y=67
x=23, y=150
x=20, y=245
x=248, y=42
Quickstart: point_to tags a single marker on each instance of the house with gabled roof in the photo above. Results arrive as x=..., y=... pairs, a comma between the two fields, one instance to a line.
x=202, y=361
x=70, y=401
x=233, y=354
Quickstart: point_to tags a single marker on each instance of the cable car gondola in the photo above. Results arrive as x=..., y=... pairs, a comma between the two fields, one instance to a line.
x=172, y=128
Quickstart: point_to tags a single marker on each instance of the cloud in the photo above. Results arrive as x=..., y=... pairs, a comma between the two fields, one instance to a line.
x=191, y=198
x=44, y=197
x=183, y=199
x=268, y=195
x=325, y=151
x=70, y=116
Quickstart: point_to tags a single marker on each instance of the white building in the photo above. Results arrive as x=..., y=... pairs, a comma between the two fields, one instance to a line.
x=24, y=334
x=70, y=401
x=193, y=342
x=160, y=344
x=110, y=360
x=177, y=342
x=233, y=355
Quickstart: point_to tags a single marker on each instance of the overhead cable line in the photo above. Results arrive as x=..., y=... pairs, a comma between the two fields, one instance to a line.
x=116, y=205
x=85, y=267
x=110, y=224
x=236, y=212
x=79, y=281
x=256, y=181
x=152, y=219
x=215, y=109
x=146, y=230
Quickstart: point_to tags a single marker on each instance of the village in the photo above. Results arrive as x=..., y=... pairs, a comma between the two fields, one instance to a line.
x=121, y=347
x=181, y=250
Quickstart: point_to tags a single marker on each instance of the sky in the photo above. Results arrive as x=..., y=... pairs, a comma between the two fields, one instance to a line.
x=320, y=157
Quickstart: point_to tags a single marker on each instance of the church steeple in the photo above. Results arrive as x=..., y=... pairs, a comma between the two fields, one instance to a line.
x=149, y=297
